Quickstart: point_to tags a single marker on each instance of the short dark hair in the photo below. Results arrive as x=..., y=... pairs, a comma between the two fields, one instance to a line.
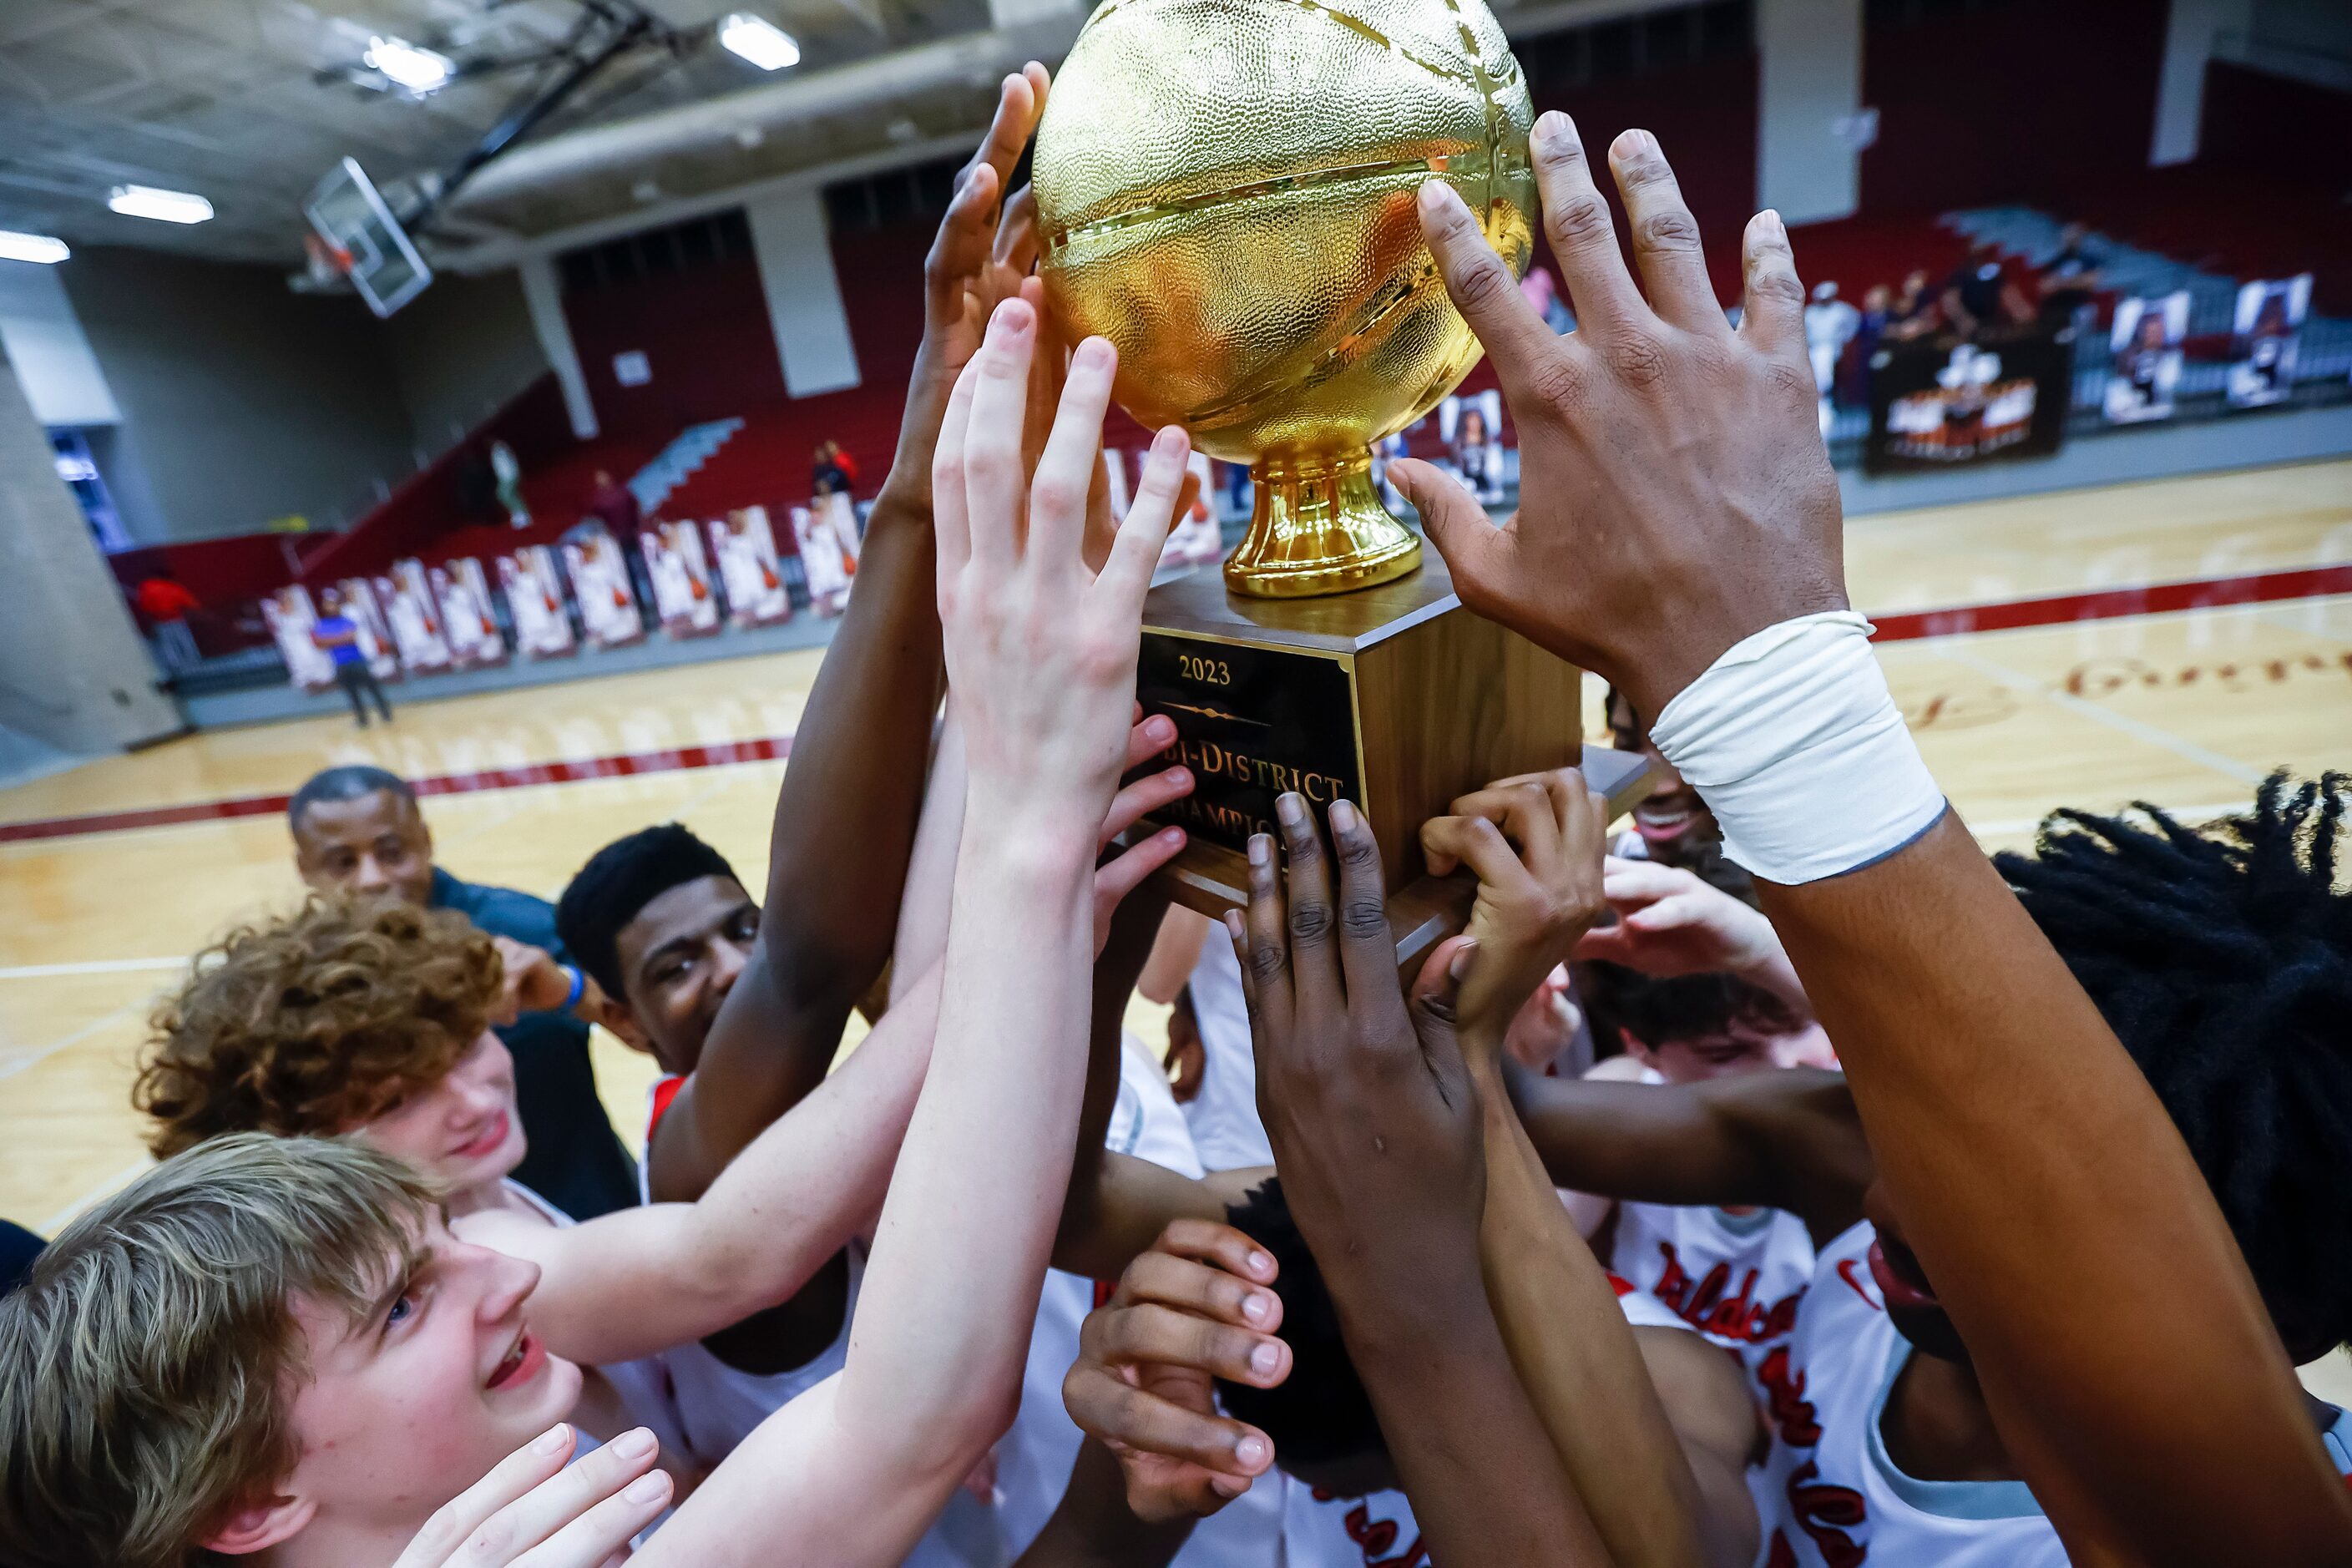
x=1656, y=1009
x=2221, y=957
x=1320, y=1413
x=353, y=781
x=619, y=880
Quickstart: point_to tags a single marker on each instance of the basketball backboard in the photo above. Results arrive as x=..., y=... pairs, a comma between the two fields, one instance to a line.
x=364, y=240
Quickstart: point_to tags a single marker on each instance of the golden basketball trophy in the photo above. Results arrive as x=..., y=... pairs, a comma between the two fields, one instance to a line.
x=1226, y=190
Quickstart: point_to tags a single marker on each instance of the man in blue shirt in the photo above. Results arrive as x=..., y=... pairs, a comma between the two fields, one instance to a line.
x=358, y=829
x=339, y=636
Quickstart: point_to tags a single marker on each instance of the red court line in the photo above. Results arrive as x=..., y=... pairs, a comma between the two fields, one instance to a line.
x=2105, y=604
x=682, y=760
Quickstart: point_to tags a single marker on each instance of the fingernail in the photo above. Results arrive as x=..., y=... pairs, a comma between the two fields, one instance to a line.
x=1013, y=320
x=1179, y=775
x=1550, y=125
x=650, y=1486
x=1251, y=1451
x=549, y=1441
x=1343, y=816
x=1261, y=849
x=1159, y=728
x=1254, y=1308
x=634, y=1443
x=1228, y=1487
x=1634, y=142
x=1234, y=928
x=1264, y=1360
x=1459, y=964
x=1169, y=440
x=1258, y=1261
x=1093, y=354
x=1774, y=225
x=1439, y=199
x=1288, y=806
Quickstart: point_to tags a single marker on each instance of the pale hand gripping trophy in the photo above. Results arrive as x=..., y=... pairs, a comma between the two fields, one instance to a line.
x=1226, y=191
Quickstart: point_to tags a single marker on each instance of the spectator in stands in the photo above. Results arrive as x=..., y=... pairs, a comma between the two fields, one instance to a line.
x=1869, y=330
x=1979, y=296
x=1916, y=311
x=2070, y=278
x=1476, y=455
x=338, y=637
x=358, y=830
x=1830, y=324
x=507, y=472
x=164, y=601
x=837, y=472
x=1543, y=292
x=615, y=506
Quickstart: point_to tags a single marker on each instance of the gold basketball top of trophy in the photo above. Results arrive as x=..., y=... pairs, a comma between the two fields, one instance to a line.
x=1226, y=190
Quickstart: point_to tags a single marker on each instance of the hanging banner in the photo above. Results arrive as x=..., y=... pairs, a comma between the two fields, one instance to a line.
x=416, y=620
x=463, y=595
x=608, y=606
x=534, y=585
x=683, y=600
x=2147, y=343
x=1934, y=406
x=2265, y=340
x=289, y=615
x=750, y=570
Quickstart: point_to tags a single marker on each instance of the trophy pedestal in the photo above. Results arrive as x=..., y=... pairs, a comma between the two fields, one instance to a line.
x=1395, y=698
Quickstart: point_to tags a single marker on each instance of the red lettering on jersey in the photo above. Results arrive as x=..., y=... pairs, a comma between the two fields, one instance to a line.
x=1782, y=1554
x=1790, y=1410
x=1826, y=1512
x=1377, y=1536
x=1705, y=1307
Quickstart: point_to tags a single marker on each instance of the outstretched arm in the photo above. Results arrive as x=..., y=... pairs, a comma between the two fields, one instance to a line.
x=847, y=811
x=1560, y=1318
x=1375, y=1126
x=1966, y=1040
x=1042, y=652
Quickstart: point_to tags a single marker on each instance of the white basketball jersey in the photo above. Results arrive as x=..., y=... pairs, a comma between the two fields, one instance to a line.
x=1226, y=1131
x=1376, y=1531
x=1735, y=1278
x=718, y=1404
x=1033, y=1460
x=1827, y=1494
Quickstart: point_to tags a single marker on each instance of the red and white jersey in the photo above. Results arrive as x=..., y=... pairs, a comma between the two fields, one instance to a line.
x=1376, y=1531
x=1735, y=1278
x=1827, y=1494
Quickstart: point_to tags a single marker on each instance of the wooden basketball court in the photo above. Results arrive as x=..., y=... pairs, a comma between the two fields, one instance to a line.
x=2171, y=642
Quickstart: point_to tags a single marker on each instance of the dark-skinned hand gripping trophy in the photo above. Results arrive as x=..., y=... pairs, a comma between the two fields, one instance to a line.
x=1376, y=1130
x=1677, y=502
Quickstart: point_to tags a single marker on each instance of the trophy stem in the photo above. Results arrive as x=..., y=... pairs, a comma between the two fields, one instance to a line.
x=1319, y=527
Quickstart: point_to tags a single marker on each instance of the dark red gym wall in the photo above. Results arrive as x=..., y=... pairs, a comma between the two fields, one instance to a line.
x=2033, y=103
x=705, y=332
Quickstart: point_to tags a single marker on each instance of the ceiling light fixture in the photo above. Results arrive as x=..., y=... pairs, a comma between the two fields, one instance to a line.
x=163, y=206
x=38, y=247
x=761, y=41
x=413, y=66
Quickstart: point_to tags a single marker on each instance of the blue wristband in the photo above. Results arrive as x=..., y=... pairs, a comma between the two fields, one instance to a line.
x=578, y=985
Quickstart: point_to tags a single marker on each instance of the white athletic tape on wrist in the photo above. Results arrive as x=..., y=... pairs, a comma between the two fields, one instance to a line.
x=1794, y=742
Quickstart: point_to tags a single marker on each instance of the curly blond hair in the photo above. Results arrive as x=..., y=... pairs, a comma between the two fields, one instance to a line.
x=315, y=1023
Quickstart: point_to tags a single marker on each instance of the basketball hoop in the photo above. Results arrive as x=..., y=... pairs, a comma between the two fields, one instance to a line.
x=330, y=265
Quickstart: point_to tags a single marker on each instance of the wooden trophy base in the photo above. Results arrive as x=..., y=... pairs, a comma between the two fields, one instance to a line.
x=1394, y=697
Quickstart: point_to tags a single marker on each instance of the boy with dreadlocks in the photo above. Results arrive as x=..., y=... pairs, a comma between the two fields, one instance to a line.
x=2223, y=959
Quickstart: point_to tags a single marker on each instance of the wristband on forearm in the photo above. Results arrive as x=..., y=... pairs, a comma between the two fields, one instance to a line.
x=1794, y=742
x=578, y=985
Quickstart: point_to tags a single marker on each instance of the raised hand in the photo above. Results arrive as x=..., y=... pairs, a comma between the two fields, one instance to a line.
x=1121, y=875
x=1377, y=1129
x=1187, y=1313
x=984, y=249
x=1534, y=901
x=1041, y=649
x=532, y=1512
x=1670, y=922
x=1676, y=495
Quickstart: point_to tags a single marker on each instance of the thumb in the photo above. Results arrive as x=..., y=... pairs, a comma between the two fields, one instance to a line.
x=1472, y=546
x=1435, y=999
